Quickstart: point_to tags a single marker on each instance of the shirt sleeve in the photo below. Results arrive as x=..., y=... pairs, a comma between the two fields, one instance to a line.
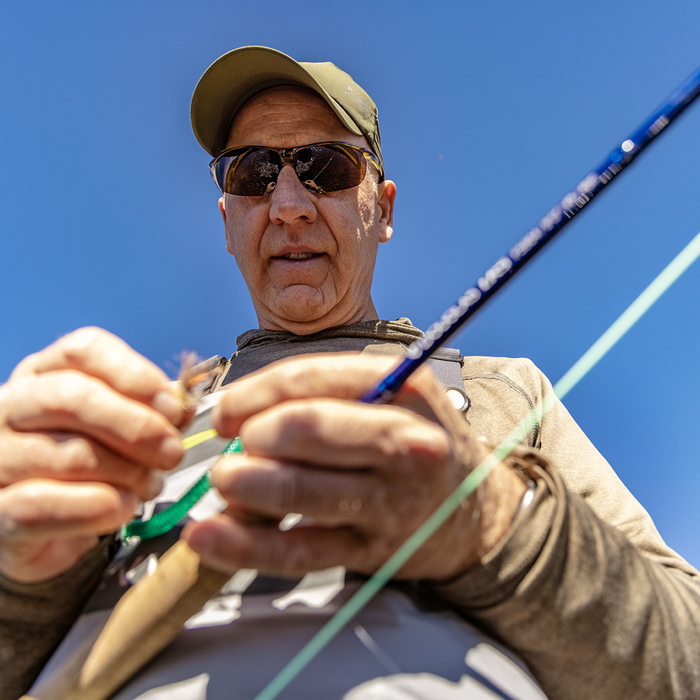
x=583, y=607
x=582, y=587
x=34, y=618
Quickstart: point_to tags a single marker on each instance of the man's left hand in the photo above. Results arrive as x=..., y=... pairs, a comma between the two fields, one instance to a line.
x=364, y=477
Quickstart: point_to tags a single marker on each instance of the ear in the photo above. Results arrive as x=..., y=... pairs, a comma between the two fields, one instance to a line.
x=385, y=201
x=229, y=243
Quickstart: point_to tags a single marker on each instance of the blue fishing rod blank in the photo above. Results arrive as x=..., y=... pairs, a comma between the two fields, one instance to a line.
x=534, y=240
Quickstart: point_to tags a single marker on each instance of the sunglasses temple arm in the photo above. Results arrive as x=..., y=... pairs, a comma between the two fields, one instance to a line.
x=505, y=268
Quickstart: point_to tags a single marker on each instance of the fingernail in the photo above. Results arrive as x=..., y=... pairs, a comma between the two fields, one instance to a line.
x=129, y=501
x=201, y=541
x=169, y=405
x=172, y=450
x=155, y=485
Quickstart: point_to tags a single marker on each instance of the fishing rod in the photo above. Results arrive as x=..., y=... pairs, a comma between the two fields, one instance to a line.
x=505, y=268
x=121, y=650
x=492, y=281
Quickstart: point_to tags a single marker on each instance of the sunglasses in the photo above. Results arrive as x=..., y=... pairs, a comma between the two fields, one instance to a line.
x=252, y=171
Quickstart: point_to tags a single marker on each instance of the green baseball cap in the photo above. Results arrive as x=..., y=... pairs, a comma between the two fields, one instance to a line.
x=239, y=74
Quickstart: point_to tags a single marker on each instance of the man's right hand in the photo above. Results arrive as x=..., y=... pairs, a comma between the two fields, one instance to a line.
x=86, y=427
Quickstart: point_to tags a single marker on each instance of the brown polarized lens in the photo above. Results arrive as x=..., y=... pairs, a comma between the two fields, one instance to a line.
x=252, y=172
x=329, y=168
x=321, y=168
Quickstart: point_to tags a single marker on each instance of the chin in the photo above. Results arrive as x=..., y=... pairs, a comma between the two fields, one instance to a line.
x=304, y=310
x=302, y=304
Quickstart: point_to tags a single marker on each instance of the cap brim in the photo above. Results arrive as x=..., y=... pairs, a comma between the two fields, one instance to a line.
x=234, y=78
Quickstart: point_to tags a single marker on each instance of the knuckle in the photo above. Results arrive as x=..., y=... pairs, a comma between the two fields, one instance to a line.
x=25, y=366
x=278, y=489
x=398, y=514
x=80, y=343
x=26, y=505
x=292, y=492
x=290, y=558
x=52, y=394
x=65, y=392
x=295, y=373
x=37, y=455
x=378, y=550
x=15, y=392
x=6, y=392
x=141, y=428
x=33, y=455
x=427, y=443
x=290, y=425
x=76, y=455
x=299, y=421
x=389, y=443
x=405, y=439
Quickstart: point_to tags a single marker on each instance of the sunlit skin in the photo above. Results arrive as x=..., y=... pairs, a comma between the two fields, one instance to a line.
x=342, y=229
x=87, y=424
x=399, y=472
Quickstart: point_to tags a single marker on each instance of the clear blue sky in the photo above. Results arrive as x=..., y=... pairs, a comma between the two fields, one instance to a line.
x=489, y=113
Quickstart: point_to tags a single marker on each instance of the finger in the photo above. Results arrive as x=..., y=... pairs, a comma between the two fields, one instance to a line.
x=71, y=457
x=296, y=378
x=100, y=354
x=72, y=401
x=273, y=489
x=39, y=509
x=225, y=544
x=328, y=432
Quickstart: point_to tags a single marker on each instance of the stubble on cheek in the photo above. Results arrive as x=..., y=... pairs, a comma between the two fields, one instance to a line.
x=340, y=292
x=245, y=219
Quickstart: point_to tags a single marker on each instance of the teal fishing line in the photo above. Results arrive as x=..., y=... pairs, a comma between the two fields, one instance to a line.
x=634, y=312
x=574, y=375
x=167, y=519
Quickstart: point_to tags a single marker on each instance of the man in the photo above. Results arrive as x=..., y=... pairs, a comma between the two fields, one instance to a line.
x=577, y=582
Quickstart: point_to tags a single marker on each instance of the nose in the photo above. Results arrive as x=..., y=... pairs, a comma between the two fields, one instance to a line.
x=291, y=201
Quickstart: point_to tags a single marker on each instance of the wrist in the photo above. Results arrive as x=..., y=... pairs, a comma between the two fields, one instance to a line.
x=500, y=499
x=39, y=562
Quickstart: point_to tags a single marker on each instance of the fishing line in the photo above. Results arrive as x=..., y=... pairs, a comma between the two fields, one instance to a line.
x=633, y=313
x=487, y=285
x=570, y=379
x=447, y=325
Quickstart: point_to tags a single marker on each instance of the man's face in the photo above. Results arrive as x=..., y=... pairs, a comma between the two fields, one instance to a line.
x=307, y=258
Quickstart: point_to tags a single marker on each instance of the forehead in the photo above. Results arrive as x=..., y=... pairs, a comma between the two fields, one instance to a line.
x=287, y=116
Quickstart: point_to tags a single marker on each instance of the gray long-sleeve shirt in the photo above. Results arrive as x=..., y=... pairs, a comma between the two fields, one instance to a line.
x=582, y=588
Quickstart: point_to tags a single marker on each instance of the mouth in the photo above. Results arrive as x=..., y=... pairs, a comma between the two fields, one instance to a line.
x=299, y=256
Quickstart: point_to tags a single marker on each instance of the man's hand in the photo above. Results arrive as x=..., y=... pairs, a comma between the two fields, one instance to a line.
x=85, y=427
x=365, y=477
